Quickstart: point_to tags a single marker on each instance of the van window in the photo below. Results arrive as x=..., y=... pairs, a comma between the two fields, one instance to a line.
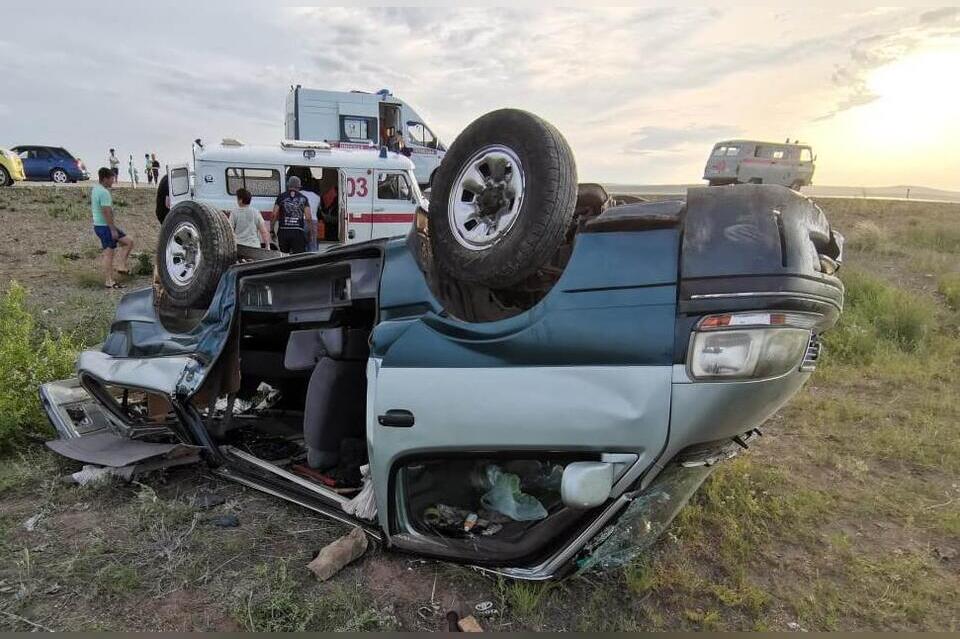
x=806, y=155
x=768, y=152
x=358, y=129
x=392, y=186
x=419, y=134
x=260, y=182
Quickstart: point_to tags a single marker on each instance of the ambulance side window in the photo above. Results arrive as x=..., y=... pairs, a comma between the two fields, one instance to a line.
x=393, y=186
x=260, y=182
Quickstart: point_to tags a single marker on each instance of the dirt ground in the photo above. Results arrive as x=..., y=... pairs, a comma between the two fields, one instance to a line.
x=845, y=516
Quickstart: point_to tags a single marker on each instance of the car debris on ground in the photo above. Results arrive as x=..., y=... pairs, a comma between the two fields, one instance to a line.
x=335, y=556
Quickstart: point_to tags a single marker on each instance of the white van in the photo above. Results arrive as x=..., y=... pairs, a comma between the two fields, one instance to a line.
x=362, y=120
x=755, y=162
x=377, y=193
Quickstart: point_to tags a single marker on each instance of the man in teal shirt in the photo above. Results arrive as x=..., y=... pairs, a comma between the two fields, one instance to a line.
x=106, y=229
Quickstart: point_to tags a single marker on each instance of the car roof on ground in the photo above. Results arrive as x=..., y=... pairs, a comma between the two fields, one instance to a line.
x=352, y=158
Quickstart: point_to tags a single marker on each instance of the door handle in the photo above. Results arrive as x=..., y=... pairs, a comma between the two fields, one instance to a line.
x=351, y=234
x=396, y=418
x=378, y=209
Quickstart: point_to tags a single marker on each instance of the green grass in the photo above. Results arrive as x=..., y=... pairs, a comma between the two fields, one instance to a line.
x=949, y=287
x=879, y=319
x=285, y=604
x=945, y=239
x=29, y=356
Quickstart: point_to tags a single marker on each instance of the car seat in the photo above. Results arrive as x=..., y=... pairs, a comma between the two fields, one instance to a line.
x=335, y=406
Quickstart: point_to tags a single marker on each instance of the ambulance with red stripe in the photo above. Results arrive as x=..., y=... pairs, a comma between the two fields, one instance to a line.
x=754, y=162
x=375, y=192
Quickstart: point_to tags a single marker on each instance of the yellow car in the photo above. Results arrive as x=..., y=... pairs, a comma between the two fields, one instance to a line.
x=11, y=168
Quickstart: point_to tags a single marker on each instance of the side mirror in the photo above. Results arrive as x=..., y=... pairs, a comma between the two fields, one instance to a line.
x=586, y=484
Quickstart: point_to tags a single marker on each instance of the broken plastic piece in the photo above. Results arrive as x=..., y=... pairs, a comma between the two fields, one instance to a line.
x=505, y=497
x=335, y=556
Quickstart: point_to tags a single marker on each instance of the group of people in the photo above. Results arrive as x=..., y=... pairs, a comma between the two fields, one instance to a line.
x=151, y=168
x=300, y=217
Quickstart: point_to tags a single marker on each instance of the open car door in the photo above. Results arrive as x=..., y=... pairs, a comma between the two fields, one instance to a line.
x=178, y=180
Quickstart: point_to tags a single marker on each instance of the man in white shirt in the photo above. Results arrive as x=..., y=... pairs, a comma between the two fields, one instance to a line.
x=248, y=225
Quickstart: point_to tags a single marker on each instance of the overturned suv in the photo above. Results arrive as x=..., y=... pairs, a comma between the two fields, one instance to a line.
x=534, y=380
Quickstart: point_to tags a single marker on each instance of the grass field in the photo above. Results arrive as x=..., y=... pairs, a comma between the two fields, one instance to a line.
x=845, y=516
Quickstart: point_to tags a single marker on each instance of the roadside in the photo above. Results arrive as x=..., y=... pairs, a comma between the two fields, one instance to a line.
x=845, y=516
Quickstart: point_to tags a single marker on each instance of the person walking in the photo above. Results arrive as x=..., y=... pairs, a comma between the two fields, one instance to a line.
x=292, y=214
x=248, y=225
x=155, y=166
x=106, y=229
x=114, y=164
x=148, y=168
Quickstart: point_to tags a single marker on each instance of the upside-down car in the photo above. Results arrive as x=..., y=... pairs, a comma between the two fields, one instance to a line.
x=534, y=380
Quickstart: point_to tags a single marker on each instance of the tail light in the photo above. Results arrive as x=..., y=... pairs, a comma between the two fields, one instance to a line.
x=752, y=345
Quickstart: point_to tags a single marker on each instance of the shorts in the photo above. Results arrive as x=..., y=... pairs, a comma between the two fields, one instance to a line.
x=116, y=171
x=292, y=240
x=106, y=238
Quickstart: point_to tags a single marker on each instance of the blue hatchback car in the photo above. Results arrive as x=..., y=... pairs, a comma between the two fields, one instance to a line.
x=51, y=163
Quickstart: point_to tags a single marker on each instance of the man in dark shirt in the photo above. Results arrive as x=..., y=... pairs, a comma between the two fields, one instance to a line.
x=163, y=199
x=293, y=218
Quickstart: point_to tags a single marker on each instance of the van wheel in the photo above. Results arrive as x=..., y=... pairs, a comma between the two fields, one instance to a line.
x=502, y=199
x=195, y=248
x=796, y=185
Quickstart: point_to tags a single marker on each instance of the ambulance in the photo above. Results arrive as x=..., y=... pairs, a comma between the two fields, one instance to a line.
x=361, y=120
x=377, y=192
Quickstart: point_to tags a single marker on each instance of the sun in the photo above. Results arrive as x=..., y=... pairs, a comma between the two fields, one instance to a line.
x=917, y=99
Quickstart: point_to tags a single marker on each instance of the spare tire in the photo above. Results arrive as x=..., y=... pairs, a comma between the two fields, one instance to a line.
x=502, y=199
x=195, y=248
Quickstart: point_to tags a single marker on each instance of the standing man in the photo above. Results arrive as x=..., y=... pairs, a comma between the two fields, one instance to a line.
x=292, y=214
x=106, y=229
x=248, y=225
x=148, y=167
x=114, y=165
x=155, y=166
x=132, y=172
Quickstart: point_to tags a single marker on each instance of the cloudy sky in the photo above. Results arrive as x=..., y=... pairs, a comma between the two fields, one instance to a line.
x=640, y=93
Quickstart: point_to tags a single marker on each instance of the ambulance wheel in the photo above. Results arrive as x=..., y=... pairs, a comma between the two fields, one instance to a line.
x=195, y=249
x=502, y=199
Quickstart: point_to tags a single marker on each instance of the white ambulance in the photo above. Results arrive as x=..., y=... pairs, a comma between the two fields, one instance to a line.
x=364, y=121
x=376, y=192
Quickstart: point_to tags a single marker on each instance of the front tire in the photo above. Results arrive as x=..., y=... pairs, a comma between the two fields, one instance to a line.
x=502, y=199
x=59, y=176
x=5, y=179
x=195, y=248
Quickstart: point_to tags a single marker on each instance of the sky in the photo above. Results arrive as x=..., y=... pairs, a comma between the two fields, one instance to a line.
x=640, y=93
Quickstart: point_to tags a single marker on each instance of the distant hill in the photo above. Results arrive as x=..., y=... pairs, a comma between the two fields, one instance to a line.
x=886, y=192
